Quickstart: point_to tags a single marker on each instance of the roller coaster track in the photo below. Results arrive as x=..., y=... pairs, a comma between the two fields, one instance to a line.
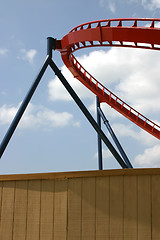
x=133, y=33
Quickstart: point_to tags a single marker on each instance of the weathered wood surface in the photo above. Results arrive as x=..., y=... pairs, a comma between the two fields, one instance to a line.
x=98, y=206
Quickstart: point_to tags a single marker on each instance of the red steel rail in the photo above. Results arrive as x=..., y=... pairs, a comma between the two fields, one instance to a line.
x=134, y=33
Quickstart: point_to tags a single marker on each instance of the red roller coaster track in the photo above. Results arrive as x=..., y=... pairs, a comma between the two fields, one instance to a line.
x=134, y=33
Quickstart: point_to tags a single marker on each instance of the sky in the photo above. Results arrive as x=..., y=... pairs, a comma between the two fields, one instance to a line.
x=54, y=135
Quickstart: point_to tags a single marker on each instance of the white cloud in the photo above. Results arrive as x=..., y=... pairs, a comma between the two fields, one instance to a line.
x=123, y=130
x=57, y=91
x=36, y=117
x=140, y=87
x=108, y=4
x=3, y=93
x=151, y=4
x=147, y=4
x=105, y=153
x=112, y=6
x=141, y=136
x=150, y=157
x=3, y=51
x=7, y=113
x=27, y=55
x=132, y=74
x=109, y=112
x=101, y=64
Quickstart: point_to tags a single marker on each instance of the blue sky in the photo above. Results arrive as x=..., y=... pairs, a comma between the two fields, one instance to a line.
x=53, y=134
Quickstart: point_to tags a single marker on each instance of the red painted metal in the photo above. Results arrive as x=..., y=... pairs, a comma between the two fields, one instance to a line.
x=134, y=33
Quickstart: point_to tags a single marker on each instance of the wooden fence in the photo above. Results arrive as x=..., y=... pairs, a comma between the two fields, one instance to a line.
x=93, y=205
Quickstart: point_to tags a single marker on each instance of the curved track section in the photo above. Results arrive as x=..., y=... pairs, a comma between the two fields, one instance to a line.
x=134, y=33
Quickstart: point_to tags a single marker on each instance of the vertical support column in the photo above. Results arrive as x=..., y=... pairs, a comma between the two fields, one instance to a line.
x=51, y=44
x=100, y=164
x=110, y=130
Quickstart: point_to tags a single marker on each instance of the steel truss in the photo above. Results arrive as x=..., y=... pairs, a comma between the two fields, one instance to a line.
x=51, y=45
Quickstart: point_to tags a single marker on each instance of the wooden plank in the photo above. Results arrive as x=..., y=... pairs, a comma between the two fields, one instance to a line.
x=7, y=211
x=33, y=211
x=67, y=175
x=1, y=189
x=130, y=207
x=116, y=208
x=102, y=208
x=155, y=207
x=47, y=203
x=88, y=208
x=60, y=210
x=144, y=207
x=74, y=209
x=20, y=211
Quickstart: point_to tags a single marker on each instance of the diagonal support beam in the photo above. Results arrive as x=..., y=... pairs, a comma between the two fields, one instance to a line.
x=51, y=43
x=23, y=107
x=115, y=139
x=87, y=114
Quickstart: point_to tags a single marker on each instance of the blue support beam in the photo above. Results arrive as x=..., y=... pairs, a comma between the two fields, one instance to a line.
x=110, y=130
x=51, y=44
